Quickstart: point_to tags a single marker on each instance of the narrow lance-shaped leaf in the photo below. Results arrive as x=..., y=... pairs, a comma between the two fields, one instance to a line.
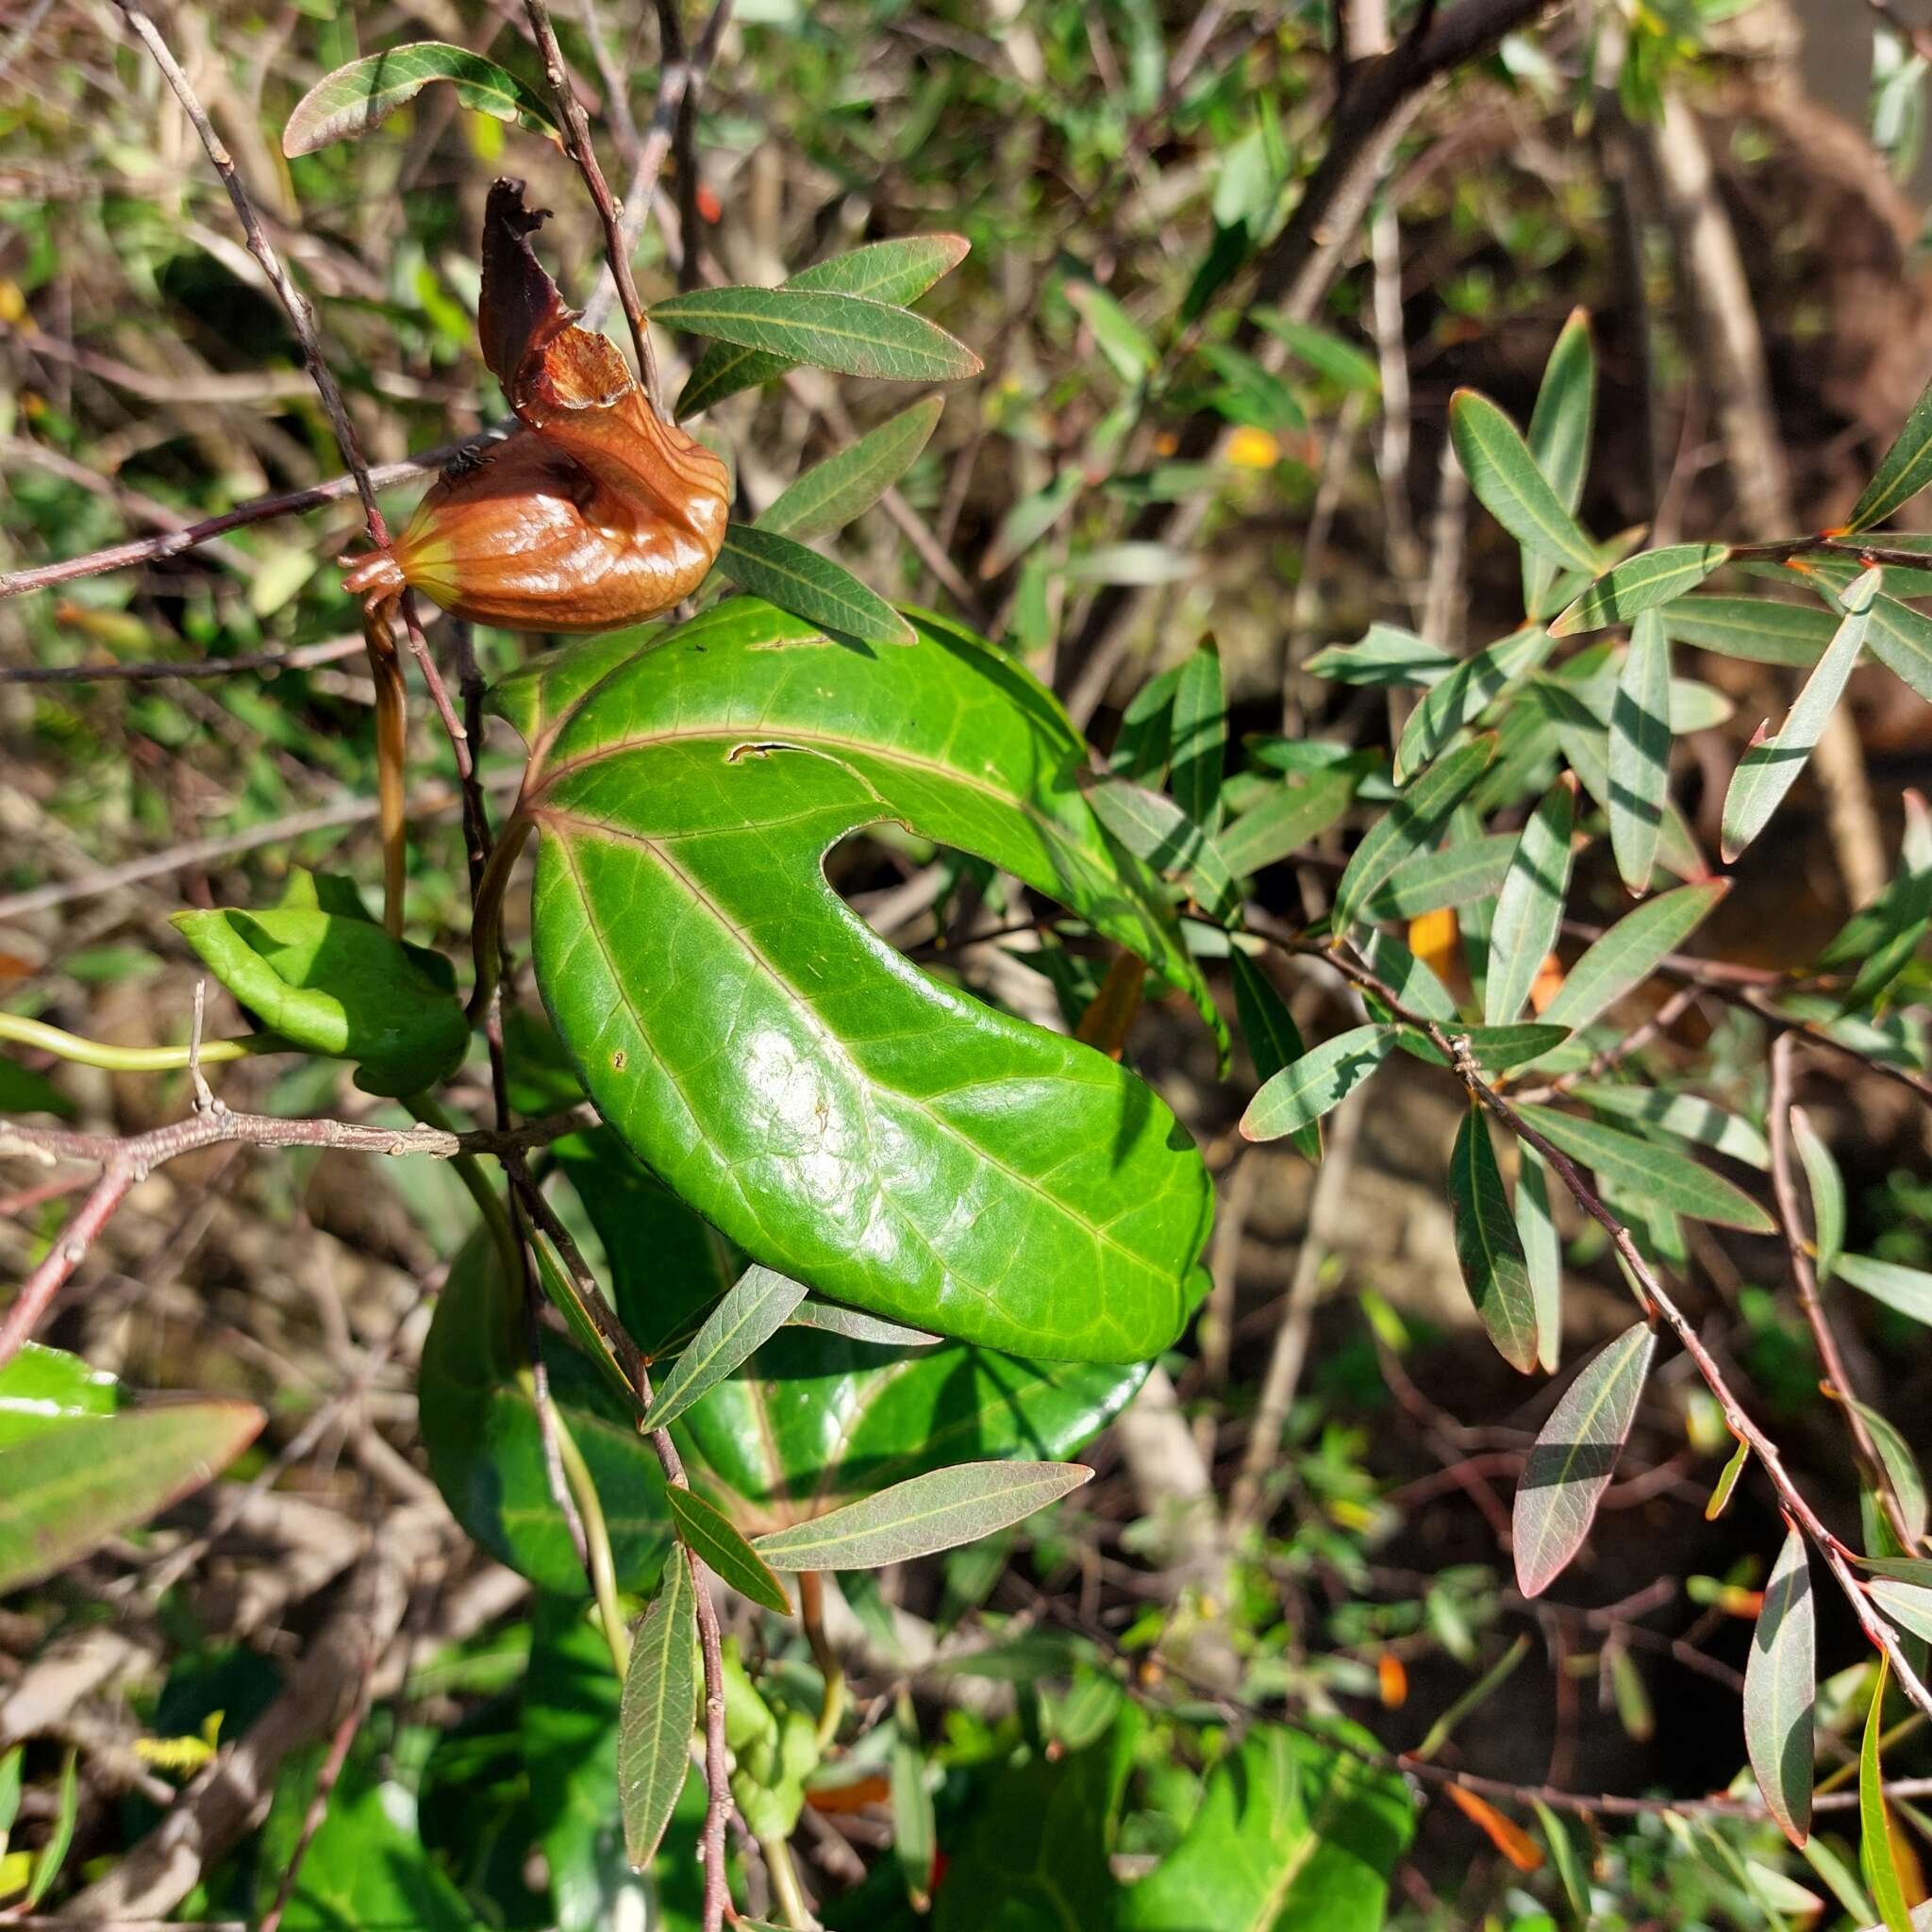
x=1530, y=908
x=1687, y=1115
x=1639, y=762
x=1300, y=1094
x=1761, y=630
x=361, y=95
x=1542, y=1254
x=1905, y=471
x=1570, y=1465
x=915, y=1832
x=1559, y=437
x=1494, y=1270
x=1200, y=737
x=830, y=1319
x=849, y=334
x=1727, y=1481
x=1573, y=1867
x=758, y=1304
x=1901, y=1467
x=53, y=1855
x=1275, y=1041
x=1827, y=1190
x=809, y=586
x=1641, y=1169
x=1287, y=817
x=1907, y=1604
x=1907, y=1290
x=1457, y=699
x=716, y=1543
x=842, y=488
x=936, y=1511
x=1780, y=1690
x=1409, y=826
x=1879, y=1855
x=896, y=272
x=1464, y=873
x=1901, y=639
x=655, y=1717
x=1631, y=951
x=1770, y=766
x=1640, y=584
x=1505, y=478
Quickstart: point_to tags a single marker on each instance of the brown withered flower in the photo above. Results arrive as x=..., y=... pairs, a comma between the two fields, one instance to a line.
x=592, y=513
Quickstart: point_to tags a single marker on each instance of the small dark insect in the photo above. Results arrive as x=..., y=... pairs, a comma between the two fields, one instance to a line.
x=464, y=461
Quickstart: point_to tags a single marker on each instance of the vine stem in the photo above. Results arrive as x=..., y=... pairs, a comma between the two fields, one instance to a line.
x=133, y=1060
x=1657, y=1302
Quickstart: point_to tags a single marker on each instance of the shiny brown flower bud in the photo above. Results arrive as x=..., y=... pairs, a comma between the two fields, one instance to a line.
x=592, y=513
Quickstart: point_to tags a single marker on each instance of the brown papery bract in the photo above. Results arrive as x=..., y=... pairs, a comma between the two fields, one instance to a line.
x=592, y=513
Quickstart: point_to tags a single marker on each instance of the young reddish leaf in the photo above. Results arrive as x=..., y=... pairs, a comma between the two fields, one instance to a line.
x=1510, y=1838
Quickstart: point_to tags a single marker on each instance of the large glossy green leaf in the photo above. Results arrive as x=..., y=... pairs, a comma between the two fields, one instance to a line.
x=366, y=93
x=842, y=488
x=1771, y=765
x=1906, y=470
x=1640, y=755
x=1626, y=956
x=1641, y=1169
x=568, y=1731
x=1507, y=481
x=1639, y=584
x=1573, y=1457
x=1293, y=1833
x=81, y=1477
x=926, y=1513
x=847, y=1120
x=1530, y=908
x=850, y=334
x=1486, y=1244
x=1781, y=1689
x=658, y=1708
x=894, y=272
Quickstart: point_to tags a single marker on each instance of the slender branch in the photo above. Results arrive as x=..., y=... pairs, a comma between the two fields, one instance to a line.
x=264, y=663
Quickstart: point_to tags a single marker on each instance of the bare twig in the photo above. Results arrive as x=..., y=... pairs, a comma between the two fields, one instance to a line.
x=263, y=663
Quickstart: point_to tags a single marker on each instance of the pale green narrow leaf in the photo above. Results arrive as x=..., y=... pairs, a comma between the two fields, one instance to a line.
x=758, y=1304
x=1496, y=1048
x=1414, y=985
x=1200, y=738
x=1630, y=952
x=1409, y=826
x=1464, y=873
x=1684, y=1114
x=1323, y=1077
x=1575, y=1456
x=1905, y=471
x=807, y=585
x=830, y=1319
x=1827, y=1190
x=1570, y=1859
x=718, y=1545
x=1639, y=759
x=1907, y=1604
x=1473, y=1699
x=1325, y=352
x=1901, y=639
x=842, y=488
x=1463, y=695
x=1640, y=584
x=1488, y=1246
x=915, y=1832
x=1387, y=654
x=894, y=272
x=849, y=334
x=1762, y=630
x=1907, y=1289
x=1781, y=1690
x=358, y=97
x=1879, y=1856
x=1275, y=1041
x=1727, y=1481
x=1530, y=908
x=656, y=1714
x=935, y=1512
x=1152, y=826
x=1641, y=1169
x=1505, y=478
x=1121, y=339
x=1560, y=436
x=1285, y=817
x=1542, y=1254
x=1771, y=765
x=53, y=1855
x=1901, y=1467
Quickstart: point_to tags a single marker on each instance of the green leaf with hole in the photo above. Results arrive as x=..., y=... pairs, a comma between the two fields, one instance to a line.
x=655, y=1715
x=1324, y=1077
x=848, y=1121
x=720, y=1547
x=892, y=272
x=1488, y=1248
x=1642, y=1170
x=1781, y=1691
x=83, y=1476
x=757, y=1306
x=799, y=580
x=842, y=488
x=851, y=335
x=936, y=1511
x=1623, y=958
x=366, y=93
x=1511, y=487
x=1770, y=764
x=1573, y=1457
x=1639, y=584
x=1530, y=908
x=1639, y=755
